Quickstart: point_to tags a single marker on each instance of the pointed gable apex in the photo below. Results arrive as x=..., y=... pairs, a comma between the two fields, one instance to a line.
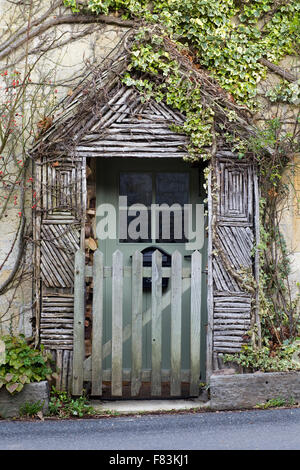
x=129, y=127
x=105, y=118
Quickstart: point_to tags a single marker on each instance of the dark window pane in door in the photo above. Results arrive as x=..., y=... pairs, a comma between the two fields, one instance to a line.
x=135, y=225
x=172, y=192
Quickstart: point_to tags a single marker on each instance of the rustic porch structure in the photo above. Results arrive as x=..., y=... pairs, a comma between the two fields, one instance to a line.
x=105, y=119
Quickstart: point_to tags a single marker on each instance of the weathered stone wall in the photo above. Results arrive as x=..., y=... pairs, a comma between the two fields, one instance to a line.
x=290, y=223
x=242, y=391
x=62, y=67
x=32, y=393
x=290, y=210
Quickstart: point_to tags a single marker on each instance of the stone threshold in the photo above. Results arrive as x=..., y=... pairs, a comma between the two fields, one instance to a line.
x=150, y=406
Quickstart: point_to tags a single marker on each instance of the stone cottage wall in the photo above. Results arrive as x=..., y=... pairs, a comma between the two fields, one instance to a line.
x=83, y=46
x=290, y=210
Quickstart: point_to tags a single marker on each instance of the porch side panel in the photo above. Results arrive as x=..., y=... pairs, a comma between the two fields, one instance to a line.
x=60, y=216
x=233, y=266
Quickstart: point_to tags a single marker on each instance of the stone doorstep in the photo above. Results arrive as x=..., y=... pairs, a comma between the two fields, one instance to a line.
x=144, y=406
x=244, y=391
x=31, y=393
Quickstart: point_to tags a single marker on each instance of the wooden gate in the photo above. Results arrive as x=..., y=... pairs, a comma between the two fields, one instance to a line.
x=181, y=279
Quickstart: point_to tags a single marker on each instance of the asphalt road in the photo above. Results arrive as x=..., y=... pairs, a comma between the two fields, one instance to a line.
x=262, y=429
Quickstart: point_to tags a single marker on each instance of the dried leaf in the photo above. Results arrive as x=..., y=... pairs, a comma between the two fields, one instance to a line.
x=92, y=244
x=8, y=377
x=11, y=388
x=23, y=379
x=40, y=415
x=88, y=171
x=45, y=123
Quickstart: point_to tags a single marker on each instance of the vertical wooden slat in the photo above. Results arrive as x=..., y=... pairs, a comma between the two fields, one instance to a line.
x=210, y=306
x=195, y=322
x=156, y=322
x=70, y=372
x=176, y=296
x=44, y=187
x=137, y=309
x=64, y=379
x=97, y=323
x=37, y=220
x=59, y=365
x=79, y=314
x=117, y=323
x=257, y=253
x=81, y=184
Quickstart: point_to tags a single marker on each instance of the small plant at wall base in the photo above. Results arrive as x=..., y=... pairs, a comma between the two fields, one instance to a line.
x=22, y=364
x=32, y=409
x=276, y=403
x=63, y=405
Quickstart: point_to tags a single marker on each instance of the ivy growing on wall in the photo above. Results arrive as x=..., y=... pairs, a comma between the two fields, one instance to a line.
x=208, y=58
x=228, y=37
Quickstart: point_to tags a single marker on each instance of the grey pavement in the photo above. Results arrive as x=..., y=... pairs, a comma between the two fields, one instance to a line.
x=258, y=429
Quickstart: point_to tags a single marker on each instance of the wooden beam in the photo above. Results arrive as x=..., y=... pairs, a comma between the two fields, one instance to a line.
x=79, y=317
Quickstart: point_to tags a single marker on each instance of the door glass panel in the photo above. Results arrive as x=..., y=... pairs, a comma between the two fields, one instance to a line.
x=172, y=192
x=135, y=225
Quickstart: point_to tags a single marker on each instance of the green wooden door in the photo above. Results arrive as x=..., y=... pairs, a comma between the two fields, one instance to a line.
x=149, y=181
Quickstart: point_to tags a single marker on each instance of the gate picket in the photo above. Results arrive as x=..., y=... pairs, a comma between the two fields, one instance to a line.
x=176, y=296
x=156, y=322
x=97, y=353
x=195, y=322
x=136, y=334
x=117, y=324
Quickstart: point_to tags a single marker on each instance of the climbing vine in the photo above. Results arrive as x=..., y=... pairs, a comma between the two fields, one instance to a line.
x=228, y=37
x=208, y=59
x=232, y=40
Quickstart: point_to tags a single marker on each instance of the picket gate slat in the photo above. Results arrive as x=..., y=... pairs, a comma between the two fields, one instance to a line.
x=195, y=330
x=137, y=322
x=176, y=296
x=97, y=332
x=156, y=295
x=117, y=323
